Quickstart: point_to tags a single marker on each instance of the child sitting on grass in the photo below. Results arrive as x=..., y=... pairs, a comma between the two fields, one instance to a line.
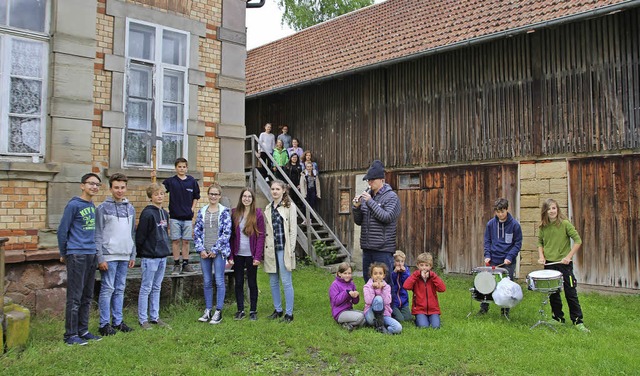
x=425, y=285
x=399, y=296
x=377, y=301
x=343, y=295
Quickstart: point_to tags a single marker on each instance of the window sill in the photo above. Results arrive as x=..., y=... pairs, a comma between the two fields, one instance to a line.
x=141, y=173
x=29, y=171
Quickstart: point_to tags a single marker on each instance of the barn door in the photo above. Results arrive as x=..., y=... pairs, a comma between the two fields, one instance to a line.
x=605, y=201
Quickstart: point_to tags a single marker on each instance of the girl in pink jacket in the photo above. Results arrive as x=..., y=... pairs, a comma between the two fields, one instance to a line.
x=377, y=301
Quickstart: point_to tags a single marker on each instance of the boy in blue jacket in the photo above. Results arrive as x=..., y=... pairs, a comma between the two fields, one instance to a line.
x=399, y=296
x=502, y=243
x=77, y=245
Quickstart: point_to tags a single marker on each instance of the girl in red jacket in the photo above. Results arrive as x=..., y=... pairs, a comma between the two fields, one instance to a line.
x=425, y=285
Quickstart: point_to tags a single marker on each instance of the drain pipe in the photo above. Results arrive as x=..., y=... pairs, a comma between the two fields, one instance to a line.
x=259, y=4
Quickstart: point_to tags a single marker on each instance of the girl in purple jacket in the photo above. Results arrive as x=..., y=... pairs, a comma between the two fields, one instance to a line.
x=247, y=249
x=343, y=295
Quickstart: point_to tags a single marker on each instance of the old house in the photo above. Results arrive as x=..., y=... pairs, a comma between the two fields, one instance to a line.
x=97, y=85
x=465, y=102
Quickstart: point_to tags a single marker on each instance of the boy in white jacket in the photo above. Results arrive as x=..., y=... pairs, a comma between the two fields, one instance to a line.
x=115, y=234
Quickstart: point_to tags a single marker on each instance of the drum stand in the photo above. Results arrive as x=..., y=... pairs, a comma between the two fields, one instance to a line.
x=545, y=300
x=484, y=300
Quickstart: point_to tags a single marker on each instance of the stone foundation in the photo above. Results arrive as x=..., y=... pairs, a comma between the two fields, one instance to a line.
x=39, y=286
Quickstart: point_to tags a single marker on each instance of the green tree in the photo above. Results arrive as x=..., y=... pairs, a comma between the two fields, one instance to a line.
x=300, y=14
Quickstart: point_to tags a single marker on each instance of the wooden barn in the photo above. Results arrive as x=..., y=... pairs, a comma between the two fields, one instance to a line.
x=465, y=102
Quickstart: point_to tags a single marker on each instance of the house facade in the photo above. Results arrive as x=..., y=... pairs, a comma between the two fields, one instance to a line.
x=464, y=104
x=109, y=86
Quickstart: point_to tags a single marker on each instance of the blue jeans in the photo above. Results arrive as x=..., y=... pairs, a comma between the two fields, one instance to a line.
x=425, y=321
x=392, y=325
x=209, y=267
x=285, y=276
x=149, y=297
x=112, y=287
x=370, y=256
x=81, y=275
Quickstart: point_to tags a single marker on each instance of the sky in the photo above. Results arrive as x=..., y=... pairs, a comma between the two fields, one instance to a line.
x=263, y=24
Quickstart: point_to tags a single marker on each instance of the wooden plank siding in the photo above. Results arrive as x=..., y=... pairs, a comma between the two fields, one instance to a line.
x=568, y=92
x=475, y=103
x=605, y=200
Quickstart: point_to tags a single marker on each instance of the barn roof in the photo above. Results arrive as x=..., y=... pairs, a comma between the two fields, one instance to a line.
x=395, y=30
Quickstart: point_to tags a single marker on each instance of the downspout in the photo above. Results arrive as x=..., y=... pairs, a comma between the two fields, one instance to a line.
x=259, y=4
x=466, y=43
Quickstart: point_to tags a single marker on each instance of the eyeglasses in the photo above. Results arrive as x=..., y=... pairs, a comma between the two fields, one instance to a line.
x=214, y=194
x=93, y=184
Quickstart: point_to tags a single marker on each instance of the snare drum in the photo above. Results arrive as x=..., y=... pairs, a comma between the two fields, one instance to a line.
x=485, y=281
x=546, y=280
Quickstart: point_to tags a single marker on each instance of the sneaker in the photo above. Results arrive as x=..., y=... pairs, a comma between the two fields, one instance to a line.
x=253, y=316
x=378, y=319
x=484, y=309
x=160, y=323
x=287, y=319
x=582, y=328
x=557, y=320
x=239, y=315
x=146, y=326
x=206, y=317
x=124, y=328
x=107, y=330
x=90, y=337
x=187, y=269
x=382, y=329
x=75, y=340
x=275, y=315
x=217, y=317
x=177, y=269
x=347, y=326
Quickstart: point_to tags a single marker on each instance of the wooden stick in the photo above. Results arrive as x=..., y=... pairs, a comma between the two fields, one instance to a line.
x=153, y=164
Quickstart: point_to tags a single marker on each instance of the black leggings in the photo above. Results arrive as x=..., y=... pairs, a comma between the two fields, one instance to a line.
x=239, y=264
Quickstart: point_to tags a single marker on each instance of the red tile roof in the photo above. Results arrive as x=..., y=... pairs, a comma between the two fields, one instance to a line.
x=398, y=29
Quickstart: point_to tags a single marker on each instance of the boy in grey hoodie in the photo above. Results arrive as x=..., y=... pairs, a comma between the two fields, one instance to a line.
x=116, y=251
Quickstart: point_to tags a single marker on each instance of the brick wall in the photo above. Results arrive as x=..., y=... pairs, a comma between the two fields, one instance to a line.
x=538, y=182
x=206, y=11
x=23, y=211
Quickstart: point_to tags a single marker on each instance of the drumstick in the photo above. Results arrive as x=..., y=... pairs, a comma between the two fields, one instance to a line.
x=553, y=263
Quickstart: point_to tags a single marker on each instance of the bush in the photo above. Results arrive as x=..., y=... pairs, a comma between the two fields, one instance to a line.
x=329, y=256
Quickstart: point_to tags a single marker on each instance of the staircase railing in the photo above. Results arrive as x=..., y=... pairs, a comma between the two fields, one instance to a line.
x=305, y=238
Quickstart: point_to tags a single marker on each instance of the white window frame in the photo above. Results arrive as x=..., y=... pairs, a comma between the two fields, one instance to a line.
x=158, y=68
x=8, y=34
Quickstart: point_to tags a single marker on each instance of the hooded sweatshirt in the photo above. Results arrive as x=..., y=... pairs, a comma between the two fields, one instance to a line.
x=502, y=240
x=339, y=296
x=76, y=233
x=115, y=231
x=152, y=238
x=399, y=296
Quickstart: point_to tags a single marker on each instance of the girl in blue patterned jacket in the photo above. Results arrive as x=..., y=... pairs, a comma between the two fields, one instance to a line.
x=211, y=235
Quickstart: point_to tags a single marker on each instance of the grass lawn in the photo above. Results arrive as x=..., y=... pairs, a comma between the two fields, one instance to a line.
x=315, y=344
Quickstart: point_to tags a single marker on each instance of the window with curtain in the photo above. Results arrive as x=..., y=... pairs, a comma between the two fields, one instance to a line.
x=24, y=49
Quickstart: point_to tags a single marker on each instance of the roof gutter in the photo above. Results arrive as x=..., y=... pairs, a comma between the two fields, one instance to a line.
x=466, y=43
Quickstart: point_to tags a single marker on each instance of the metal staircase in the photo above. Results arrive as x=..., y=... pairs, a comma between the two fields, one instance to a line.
x=316, y=229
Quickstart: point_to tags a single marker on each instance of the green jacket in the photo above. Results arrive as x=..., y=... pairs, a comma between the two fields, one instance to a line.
x=556, y=240
x=281, y=156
